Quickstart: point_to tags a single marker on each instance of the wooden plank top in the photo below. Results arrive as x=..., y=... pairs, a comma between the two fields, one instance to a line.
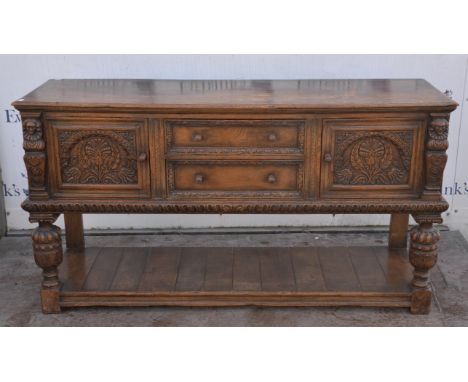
x=199, y=95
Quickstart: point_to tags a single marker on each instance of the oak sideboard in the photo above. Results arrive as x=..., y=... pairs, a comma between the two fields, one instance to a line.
x=232, y=147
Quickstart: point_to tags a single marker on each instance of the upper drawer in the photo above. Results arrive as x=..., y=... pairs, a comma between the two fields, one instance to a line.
x=99, y=158
x=235, y=136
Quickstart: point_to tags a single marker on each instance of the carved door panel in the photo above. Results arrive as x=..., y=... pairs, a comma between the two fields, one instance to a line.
x=98, y=158
x=369, y=158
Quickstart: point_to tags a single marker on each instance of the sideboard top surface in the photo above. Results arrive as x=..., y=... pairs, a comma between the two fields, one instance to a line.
x=219, y=95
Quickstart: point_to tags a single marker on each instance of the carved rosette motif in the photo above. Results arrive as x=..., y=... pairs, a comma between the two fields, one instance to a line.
x=372, y=158
x=98, y=157
x=35, y=157
x=436, y=157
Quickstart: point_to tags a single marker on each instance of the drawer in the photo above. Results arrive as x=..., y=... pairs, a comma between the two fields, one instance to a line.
x=235, y=178
x=269, y=136
x=98, y=158
x=372, y=158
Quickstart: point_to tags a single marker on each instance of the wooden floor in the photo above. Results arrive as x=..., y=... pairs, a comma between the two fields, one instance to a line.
x=296, y=276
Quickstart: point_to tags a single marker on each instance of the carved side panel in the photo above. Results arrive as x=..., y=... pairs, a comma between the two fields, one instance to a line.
x=35, y=156
x=436, y=157
x=372, y=158
x=98, y=157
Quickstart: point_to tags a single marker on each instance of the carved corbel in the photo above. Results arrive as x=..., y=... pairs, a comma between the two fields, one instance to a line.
x=35, y=155
x=436, y=157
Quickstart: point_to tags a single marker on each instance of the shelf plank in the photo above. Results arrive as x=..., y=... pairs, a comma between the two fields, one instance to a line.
x=192, y=267
x=131, y=268
x=161, y=269
x=276, y=270
x=102, y=272
x=396, y=266
x=75, y=267
x=338, y=270
x=246, y=273
x=367, y=268
x=307, y=269
x=219, y=268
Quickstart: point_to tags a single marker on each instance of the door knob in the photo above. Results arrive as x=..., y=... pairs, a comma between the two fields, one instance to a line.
x=271, y=178
x=272, y=137
x=197, y=137
x=142, y=157
x=327, y=157
x=199, y=178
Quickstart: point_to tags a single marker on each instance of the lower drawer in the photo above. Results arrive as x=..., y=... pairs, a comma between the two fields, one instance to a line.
x=235, y=178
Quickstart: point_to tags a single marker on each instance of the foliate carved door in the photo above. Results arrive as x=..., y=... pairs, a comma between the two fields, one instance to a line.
x=371, y=158
x=99, y=157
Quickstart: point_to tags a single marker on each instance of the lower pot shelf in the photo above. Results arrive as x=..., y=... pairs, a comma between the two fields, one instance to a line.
x=263, y=276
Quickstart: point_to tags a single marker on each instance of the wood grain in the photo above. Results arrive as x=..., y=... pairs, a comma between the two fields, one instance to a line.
x=219, y=269
x=74, y=234
x=276, y=270
x=246, y=272
x=166, y=95
x=230, y=134
x=217, y=176
x=398, y=232
x=75, y=267
x=337, y=269
x=307, y=269
x=394, y=263
x=192, y=267
x=102, y=272
x=367, y=268
x=161, y=268
x=131, y=267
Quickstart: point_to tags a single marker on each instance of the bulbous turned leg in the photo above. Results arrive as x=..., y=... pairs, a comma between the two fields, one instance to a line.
x=47, y=247
x=423, y=256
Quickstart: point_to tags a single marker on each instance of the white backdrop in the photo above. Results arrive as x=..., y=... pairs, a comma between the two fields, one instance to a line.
x=19, y=74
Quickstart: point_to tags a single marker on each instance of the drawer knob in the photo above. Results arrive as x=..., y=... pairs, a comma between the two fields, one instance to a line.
x=197, y=137
x=199, y=178
x=272, y=137
x=271, y=178
x=142, y=157
x=327, y=157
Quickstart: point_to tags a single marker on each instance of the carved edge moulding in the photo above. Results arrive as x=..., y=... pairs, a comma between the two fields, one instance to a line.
x=348, y=207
